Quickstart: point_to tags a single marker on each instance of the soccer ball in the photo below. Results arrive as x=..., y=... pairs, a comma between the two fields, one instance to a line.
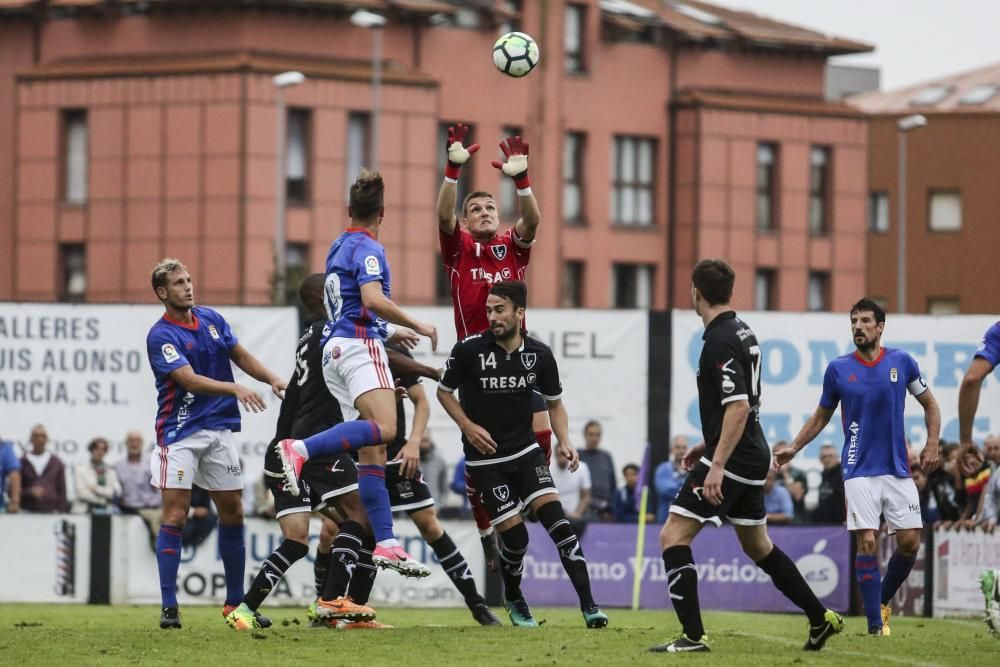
x=515, y=54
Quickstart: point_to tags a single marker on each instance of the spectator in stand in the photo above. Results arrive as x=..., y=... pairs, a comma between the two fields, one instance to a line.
x=831, y=508
x=797, y=484
x=574, y=487
x=777, y=500
x=263, y=498
x=10, y=478
x=96, y=482
x=43, y=477
x=975, y=483
x=138, y=496
x=626, y=505
x=669, y=477
x=989, y=501
x=602, y=472
x=433, y=467
x=201, y=520
x=939, y=497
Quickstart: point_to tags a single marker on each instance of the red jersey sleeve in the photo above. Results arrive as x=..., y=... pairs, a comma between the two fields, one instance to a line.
x=451, y=245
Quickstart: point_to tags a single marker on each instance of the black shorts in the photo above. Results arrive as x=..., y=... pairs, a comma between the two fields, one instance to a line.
x=742, y=504
x=321, y=480
x=409, y=495
x=505, y=487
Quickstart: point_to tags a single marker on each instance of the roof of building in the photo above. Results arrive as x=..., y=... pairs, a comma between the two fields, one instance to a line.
x=396, y=7
x=764, y=103
x=974, y=91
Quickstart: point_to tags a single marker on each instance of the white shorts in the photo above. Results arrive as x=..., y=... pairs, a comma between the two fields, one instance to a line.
x=206, y=458
x=894, y=497
x=355, y=366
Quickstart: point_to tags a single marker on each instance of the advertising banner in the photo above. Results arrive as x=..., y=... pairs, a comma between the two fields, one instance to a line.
x=82, y=371
x=46, y=558
x=796, y=348
x=201, y=579
x=727, y=579
x=960, y=557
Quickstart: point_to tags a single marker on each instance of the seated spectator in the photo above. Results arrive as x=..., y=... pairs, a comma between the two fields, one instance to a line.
x=975, y=483
x=777, y=500
x=138, y=495
x=602, y=472
x=796, y=482
x=626, y=505
x=96, y=482
x=202, y=518
x=831, y=508
x=669, y=477
x=10, y=478
x=939, y=494
x=574, y=487
x=43, y=477
x=989, y=503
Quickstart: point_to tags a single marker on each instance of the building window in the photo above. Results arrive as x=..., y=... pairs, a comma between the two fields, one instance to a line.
x=75, y=142
x=297, y=156
x=572, y=287
x=878, y=212
x=632, y=165
x=943, y=305
x=819, y=190
x=509, y=208
x=442, y=283
x=73, y=264
x=767, y=157
x=574, y=37
x=296, y=270
x=513, y=22
x=945, y=211
x=764, y=289
x=573, y=165
x=632, y=286
x=468, y=169
x=819, y=291
x=359, y=141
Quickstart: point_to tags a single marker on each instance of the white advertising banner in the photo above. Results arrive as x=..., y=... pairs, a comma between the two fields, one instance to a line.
x=796, y=348
x=82, y=371
x=960, y=557
x=46, y=558
x=201, y=579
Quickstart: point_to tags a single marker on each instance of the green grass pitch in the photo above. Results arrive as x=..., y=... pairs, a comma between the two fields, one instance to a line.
x=83, y=635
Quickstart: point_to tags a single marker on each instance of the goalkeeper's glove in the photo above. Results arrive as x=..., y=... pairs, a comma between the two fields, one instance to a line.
x=457, y=153
x=515, y=150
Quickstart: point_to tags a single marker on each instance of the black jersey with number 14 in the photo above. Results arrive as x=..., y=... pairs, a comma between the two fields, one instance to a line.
x=728, y=371
x=495, y=388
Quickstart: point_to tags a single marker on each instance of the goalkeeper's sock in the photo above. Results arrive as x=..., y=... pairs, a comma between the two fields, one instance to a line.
x=272, y=570
x=344, y=437
x=168, y=560
x=895, y=574
x=233, y=551
x=870, y=582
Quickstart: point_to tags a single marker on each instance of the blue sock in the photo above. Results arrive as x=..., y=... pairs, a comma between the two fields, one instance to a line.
x=344, y=437
x=895, y=574
x=371, y=486
x=233, y=551
x=870, y=583
x=168, y=559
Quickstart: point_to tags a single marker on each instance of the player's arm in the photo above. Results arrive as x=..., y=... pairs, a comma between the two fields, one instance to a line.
x=400, y=364
x=560, y=427
x=734, y=420
x=448, y=194
x=252, y=366
x=410, y=453
x=812, y=428
x=515, y=165
x=199, y=384
x=968, y=398
x=477, y=436
x=929, y=457
x=378, y=303
x=14, y=491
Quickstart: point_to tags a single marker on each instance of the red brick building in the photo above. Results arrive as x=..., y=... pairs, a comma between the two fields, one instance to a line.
x=660, y=132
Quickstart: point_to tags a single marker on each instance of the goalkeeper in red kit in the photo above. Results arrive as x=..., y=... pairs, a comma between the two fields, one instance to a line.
x=476, y=255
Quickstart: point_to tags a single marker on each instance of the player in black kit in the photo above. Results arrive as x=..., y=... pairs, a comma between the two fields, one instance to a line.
x=728, y=470
x=495, y=373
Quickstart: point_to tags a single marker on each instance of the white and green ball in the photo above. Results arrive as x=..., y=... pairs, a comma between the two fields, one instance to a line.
x=515, y=54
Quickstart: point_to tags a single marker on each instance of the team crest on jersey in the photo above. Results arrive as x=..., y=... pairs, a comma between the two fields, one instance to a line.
x=499, y=251
x=170, y=354
x=893, y=375
x=502, y=493
x=212, y=330
x=529, y=359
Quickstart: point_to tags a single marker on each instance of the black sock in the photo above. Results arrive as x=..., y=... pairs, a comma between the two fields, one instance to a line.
x=457, y=569
x=682, y=584
x=361, y=584
x=272, y=570
x=552, y=516
x=344, y=556
x=789, y=581
x=513, y=546
x=320, y=567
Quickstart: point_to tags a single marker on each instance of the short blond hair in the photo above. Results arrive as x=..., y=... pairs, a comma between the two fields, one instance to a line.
x=164, y=268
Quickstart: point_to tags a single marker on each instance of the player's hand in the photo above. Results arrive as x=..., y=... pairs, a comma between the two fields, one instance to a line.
x=930, y=459
x=401, y=392
x=410, y=456
x=783, y=455
x=515, y=152
x=480, y=438
x=692, y=457
x=457, y=153
x=249, y=399
x=431, y=332
x=13, y=506
x=713, y=485
x=405, y=336
x=569, y=451
x=278, y=387
x=970, y=459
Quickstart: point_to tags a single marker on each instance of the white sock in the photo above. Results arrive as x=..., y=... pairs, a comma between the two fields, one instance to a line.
x=488, y=531
x=388, y=544
x=300, y=448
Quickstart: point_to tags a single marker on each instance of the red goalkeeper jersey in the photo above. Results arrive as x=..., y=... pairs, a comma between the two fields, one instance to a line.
x=473, y=267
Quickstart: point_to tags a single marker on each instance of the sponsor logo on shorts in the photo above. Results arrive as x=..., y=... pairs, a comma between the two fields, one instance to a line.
x=506, y=506
x=501, y=492
x=543, y=473
x=528, y=359
x=697, y=491
x=180, y=474
x=170, y=354
x=212, y=330
x=914, y=508
x=234, y=470
x=405, y=490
